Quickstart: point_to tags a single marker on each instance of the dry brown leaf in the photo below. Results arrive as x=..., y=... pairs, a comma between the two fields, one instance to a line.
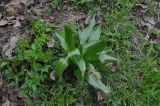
x=147, y=37
x=101, y=95
x=149, y=26
x=80, y=16
x=142, y=8
x=11, y=18
x=51, y=43
x=21, y=17
x=3, y=23
x=113, y=66
x=7, y=49
x=17, y=24
x=1, y=15
x=27, y=2
x=149, y=19
x=70, y=6
x=38, y=11
x=52, y=75
x=13, y=8
x=156, y=41
x=13, y=104
x=6, y=103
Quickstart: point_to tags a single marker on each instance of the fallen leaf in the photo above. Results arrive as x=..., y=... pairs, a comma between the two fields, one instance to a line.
x=6, y=103
x=7, y=49
x=142, y=8
x=101, y=95
x=52, y=75
x=156, y=41
x=99, y=21
x=80, y=16
x=51, y=43
x=11, y=18
x=38, y=11
x=13, y=104
x=13, y=8
x=27, y=2
x=113, y=66
x=17, y=24
x=3, y=22
x=47, y=1
x=149, y=19
x=1, y=15
x=149, y=26
x=21, y=17
x=70, y=6
x=147, y=37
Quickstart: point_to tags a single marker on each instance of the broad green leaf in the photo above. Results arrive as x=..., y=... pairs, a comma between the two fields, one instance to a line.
x=77, y=59
x=93, y=71
x=81, y=64
x=98, y=84
x=78, y=74
x=69, y=38
x=61, y=37
x=92, y=48
x=74, y=52
x=4, y=63
x=92, y=22
x=103, y=57
x=95, y=35
x=87, y=32
x=60, y=67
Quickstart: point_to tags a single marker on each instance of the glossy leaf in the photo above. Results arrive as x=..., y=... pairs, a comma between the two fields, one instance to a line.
x=95, y=35
x=103, y=57
x=87, y=32
x=69, y=38
x=94, y=72
x=98, y=84
x=78, y=74
x=91, y=49
x=61, y=37
x=81, y=64
x=60, y=67
x=77, y=59
x=74, y=53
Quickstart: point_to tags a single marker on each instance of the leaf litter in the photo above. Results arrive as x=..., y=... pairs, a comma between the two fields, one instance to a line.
x=13, y=17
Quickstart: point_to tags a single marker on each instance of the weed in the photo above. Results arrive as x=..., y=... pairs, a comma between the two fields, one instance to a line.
x=81, y=58
x=31, y=67
x=32, y=63
x=134, y=82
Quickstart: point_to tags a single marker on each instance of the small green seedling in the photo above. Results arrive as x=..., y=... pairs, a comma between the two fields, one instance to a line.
x=89, y=50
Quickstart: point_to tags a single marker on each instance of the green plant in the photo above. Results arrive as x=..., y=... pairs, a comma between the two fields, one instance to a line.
x=81, y=58
x=83, y=1
x=32, y=61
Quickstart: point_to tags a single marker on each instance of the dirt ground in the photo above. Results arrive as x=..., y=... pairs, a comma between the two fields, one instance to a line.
x=16, y=15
